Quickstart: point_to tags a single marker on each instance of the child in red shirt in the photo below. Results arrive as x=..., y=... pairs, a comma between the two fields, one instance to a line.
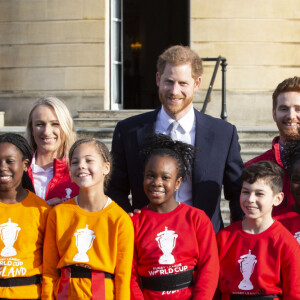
x=175, y=253
x=258, y=256
x=291, y=156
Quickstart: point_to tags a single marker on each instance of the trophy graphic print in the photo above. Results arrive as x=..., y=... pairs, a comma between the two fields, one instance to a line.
x=166, y=241
x=68, y=194
x=297, y=236
x=84, y=241
x=247, y=263
x=9, y=233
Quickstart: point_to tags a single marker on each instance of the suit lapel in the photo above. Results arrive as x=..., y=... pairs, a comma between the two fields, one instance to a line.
x=147, y=127
x=203, y=140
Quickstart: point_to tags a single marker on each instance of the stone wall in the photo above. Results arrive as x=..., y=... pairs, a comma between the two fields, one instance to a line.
x=51, y=47
x=261, y=41
x=58, y=47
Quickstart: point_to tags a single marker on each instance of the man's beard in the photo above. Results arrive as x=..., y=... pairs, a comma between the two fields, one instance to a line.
x=288, y=133
x=172, y=110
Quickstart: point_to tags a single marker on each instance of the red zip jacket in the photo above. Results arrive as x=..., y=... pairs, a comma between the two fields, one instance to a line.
x=274, y=155
x=61, y=185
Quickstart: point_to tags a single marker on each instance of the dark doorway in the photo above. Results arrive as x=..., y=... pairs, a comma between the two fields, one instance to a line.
x=149, y=27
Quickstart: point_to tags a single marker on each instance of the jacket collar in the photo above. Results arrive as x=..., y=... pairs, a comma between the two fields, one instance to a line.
x=147, y=126
x=276, y=150
x=204, y=133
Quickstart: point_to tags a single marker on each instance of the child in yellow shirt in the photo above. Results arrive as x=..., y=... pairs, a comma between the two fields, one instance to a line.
x=88, y=246
x=22, y=223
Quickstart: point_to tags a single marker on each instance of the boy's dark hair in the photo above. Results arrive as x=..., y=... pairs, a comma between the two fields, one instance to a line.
x=266, y=170
x=291, y=154
x=21, y=143
x=163, y=145
x=102, y=150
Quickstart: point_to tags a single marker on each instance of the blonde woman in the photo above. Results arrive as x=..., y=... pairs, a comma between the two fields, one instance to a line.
x=50, y=132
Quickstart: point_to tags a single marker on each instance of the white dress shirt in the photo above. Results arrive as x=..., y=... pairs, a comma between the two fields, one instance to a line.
x=41, y=178
x=186, y=133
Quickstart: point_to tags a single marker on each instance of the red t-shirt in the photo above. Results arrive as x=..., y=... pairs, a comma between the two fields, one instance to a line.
x=169, y=243
x=291, y=221
x=259, y=264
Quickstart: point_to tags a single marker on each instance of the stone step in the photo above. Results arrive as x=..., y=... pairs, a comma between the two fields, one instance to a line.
x=107, y=142
x=104, y=118
x=251, y=153
x=263, y=142
x=257, y=145
x=96, y=122
x=226, y=219
x=101, y=133
x=117, y=114
x=224, y=206
x=225, y=216
x=95, y=132
x=14, y=129
x=257, y=132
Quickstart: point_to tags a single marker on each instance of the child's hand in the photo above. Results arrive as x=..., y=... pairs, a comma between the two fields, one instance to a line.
x=136, y=211
x=54, y=201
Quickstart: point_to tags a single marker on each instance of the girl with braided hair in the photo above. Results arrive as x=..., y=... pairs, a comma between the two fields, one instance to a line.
x=175, y=253
x=22, y=222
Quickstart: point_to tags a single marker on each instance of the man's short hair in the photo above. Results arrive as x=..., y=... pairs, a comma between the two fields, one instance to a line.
x=288, y=85
x=179, y=55
x=266, y=170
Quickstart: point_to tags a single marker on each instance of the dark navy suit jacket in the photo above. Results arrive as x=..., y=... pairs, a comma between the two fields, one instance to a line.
x=218, y=162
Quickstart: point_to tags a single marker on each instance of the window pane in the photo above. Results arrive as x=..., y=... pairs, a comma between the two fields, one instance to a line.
x=116, y=36
x=117, y=84
x=116, y=9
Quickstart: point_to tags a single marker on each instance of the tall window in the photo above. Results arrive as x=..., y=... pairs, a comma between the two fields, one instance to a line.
x=116, y=54
x=139, y=32
x=149, y=27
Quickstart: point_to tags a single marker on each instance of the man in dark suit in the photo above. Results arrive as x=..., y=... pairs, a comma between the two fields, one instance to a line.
x=218, y=163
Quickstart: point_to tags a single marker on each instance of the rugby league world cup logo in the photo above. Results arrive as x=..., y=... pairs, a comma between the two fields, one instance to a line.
x=9, y=233
x=247, y=263
x=166, y=241
x=84, y=241
x=68, y=194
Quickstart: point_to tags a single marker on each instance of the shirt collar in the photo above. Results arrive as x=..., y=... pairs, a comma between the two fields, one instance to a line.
x=35, y=168
x=33, y=165
x=186, y=122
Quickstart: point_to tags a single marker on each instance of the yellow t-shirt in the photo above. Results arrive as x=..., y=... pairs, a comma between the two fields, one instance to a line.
x=100, y=241
x=22, y=227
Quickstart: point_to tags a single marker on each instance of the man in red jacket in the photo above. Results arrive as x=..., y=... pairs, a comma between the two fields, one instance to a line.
x=286, y=114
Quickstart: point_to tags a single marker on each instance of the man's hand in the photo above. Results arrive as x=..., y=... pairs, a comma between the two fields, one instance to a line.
x=136, y=211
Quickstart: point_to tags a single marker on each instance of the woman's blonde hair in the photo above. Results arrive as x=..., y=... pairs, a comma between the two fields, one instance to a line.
x=65, y=120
